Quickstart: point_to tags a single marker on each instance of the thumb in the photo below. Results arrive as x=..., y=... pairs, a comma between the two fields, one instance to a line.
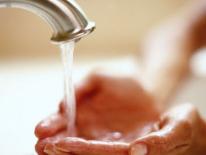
x=53, y=124
x=173, y=137
x=88, y=88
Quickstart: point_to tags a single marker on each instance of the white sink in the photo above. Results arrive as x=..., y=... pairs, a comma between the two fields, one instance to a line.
x=30, y=92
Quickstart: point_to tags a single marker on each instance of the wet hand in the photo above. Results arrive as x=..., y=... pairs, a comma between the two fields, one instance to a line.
x=180, y=131
x=111, y=113
x=116, y=117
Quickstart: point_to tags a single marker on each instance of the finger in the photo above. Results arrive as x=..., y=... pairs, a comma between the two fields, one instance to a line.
x=42, y=143
x=39, y=147
x=57, y=122
x=51, y=150
x=51, y=126
x=174, y=136
x=81, y=146
x=89, y=87
x=171, y=139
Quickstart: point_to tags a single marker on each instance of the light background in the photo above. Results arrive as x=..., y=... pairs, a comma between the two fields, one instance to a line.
x=31, y=69
x=121, y=25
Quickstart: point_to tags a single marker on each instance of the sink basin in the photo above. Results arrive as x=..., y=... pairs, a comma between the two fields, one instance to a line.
x=31, y=91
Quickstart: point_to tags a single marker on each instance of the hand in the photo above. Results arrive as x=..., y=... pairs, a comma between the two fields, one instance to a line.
x=108, y=109
x=181, y=132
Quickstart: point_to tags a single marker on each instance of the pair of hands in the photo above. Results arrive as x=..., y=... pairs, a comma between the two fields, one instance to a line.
x=115, y=116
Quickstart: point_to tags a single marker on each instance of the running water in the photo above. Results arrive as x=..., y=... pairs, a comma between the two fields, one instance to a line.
x=67, y=50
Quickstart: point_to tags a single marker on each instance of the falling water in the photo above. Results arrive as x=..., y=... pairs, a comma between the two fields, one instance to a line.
x=67, y=50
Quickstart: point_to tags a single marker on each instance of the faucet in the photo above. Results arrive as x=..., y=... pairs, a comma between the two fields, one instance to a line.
x=66, y=18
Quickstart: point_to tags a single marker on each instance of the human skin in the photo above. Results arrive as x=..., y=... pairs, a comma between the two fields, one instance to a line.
x=177, y=131
x=167, y=50
x=115, y=116
x=108, y=109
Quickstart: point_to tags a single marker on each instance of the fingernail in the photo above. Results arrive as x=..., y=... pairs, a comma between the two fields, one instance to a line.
x=49, y=149
x=138, y=149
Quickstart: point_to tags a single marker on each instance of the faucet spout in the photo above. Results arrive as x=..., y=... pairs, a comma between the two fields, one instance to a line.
x=66, y=18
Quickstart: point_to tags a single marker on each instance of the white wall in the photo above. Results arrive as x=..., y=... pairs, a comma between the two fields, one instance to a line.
x=121, y=24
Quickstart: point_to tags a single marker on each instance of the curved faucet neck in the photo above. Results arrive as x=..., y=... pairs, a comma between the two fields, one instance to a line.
x=66, y=18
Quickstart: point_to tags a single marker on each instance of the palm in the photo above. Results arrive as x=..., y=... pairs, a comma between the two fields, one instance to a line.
x=118, y=110
x=108, y=109
x=116, y=117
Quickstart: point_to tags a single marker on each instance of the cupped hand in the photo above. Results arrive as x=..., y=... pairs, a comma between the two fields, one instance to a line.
x=111, y=113
x=116, y=117
x=181, y=131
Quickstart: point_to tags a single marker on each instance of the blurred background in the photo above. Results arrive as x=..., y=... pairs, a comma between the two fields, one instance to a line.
x=31, y=82
x=121, y=25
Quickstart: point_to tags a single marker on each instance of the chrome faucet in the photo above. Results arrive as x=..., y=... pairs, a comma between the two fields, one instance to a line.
x=66, y=18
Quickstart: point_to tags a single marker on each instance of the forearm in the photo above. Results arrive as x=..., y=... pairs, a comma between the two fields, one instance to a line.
x=166, y=60
x=168, y=50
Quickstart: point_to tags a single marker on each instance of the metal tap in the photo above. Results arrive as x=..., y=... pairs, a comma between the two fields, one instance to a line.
x=66, y=18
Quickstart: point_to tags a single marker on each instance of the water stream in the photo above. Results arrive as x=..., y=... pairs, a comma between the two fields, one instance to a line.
x=67, y=50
